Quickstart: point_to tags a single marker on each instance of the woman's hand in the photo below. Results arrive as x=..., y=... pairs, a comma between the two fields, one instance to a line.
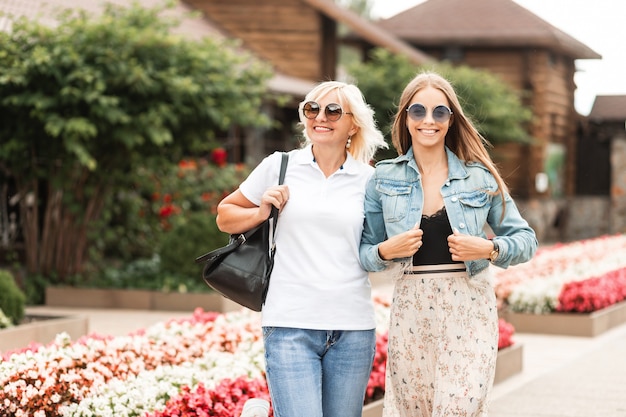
x=276, y=196
x=403, y=245
x=468, y=248
x=237, y=214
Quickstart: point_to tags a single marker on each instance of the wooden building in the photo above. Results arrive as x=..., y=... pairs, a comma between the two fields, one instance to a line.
x=298, y=38
x=605, y=122
x=301, y=41
x=531, y=55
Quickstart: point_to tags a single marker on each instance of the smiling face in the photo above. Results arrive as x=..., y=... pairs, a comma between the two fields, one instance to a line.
x=322, y=131
x=429, y=131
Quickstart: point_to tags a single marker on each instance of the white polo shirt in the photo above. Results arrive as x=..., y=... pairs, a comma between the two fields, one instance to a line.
x=317, y=281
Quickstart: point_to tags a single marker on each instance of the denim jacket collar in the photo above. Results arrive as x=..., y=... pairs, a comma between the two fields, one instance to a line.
x=456, y=168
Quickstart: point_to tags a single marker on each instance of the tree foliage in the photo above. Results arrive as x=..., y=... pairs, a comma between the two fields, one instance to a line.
x=361, y=7
x=496, y=109
x=85, y=102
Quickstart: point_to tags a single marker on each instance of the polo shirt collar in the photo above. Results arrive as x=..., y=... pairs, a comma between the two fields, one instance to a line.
x=305, y=156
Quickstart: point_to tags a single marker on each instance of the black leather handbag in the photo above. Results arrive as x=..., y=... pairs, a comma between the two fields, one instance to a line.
x=241, y=270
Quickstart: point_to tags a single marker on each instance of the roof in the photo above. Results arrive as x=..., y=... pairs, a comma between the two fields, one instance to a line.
x=609, y=108
x=368, y=30
x=192, y=28
x=492, y=23
x=43, y=11
x=196, y=28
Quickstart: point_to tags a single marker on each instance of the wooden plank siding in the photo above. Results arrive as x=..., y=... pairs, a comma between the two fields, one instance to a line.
x=294, y=39
x=529, y=54
x=544, y=78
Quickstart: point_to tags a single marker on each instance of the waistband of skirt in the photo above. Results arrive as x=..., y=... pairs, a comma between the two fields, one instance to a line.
x=445, y=269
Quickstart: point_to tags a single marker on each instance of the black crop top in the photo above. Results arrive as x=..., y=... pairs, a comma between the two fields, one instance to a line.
x=434, y=250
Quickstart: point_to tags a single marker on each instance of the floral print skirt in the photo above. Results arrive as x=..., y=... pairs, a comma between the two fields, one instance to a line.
x=443, y=345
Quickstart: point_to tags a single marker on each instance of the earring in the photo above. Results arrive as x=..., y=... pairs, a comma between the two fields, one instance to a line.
x=349, y=142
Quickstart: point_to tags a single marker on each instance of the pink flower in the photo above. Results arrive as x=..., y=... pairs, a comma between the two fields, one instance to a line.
x=506, y=331
x=594, y=293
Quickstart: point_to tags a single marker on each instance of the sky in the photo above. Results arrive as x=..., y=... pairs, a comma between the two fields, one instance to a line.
x=599, y=24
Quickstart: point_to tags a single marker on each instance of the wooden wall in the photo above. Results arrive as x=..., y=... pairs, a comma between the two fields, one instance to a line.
x=545, y=83
x=292, y=36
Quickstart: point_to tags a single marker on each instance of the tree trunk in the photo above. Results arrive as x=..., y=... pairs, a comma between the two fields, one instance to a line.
x=29, y=213
x=66, y=242
x=63, y=228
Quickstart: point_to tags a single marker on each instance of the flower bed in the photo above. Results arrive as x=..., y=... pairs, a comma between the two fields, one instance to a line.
x=581, y=277
x=208, y=362
x=536, y=286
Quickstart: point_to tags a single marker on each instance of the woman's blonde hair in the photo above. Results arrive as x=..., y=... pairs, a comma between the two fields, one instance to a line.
x=462, y=138
x=368, y=139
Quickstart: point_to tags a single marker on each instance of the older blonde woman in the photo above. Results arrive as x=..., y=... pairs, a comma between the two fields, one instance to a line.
x=318, y=318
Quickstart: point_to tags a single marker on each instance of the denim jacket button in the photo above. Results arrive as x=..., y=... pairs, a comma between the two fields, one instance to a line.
x=461, y=225
x=454, y=199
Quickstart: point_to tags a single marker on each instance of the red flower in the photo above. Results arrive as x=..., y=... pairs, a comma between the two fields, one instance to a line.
x=219, y=156
x=376, y=384
x=506, y=331
x=188, y=164
x=224, y=400
x=594, y=293
x=167, y=210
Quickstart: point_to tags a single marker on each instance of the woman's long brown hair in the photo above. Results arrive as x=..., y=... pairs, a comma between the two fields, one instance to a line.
x=462, y=138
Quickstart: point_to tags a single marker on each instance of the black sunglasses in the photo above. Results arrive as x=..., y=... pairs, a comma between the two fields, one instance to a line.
x=333, y=111
x=441, y=113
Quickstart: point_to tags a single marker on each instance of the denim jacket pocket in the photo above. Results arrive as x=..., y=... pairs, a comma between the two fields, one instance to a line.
x=395, y=199
x=475, y=206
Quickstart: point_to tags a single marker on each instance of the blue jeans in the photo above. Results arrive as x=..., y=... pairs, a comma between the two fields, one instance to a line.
x=318, y=373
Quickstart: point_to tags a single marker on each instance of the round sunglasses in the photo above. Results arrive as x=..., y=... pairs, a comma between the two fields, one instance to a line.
x=441, y=113
x=333, y=111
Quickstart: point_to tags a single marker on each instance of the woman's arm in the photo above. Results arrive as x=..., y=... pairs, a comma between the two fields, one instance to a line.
x=237, y=214
x=516, y=240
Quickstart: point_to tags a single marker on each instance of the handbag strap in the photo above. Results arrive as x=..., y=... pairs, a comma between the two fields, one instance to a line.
x=281, y=179
x=232, y=245
x=241, y=238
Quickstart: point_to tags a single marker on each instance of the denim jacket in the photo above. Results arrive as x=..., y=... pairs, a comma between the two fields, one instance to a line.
x=394, y=202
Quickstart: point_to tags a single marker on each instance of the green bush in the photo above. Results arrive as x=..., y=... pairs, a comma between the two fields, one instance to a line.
x=5, y=322
x=137, y=220
x=12, y=298
x=190, y=237
x=35, y=288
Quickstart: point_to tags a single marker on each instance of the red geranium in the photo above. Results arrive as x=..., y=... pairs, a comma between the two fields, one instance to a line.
x=219, y=156
x=506, y=330
x=225, y=400
x=594, y=293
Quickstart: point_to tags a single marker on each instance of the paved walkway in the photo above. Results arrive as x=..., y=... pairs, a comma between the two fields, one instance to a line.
x=562, y=376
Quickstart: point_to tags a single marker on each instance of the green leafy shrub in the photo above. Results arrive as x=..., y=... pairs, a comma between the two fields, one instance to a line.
x=141, y=273
x=35, y=288
x=4, y=321
x=85, y=101
x=12, y=298
x=495, y=107
x=137, y=222
x=190, y=237
x=138, y=219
